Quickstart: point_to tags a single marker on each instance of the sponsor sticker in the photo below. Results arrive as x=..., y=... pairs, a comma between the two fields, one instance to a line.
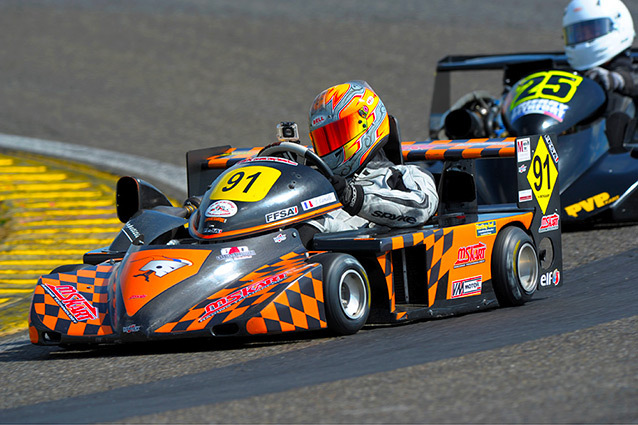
x=522, y=168
x=235, y=297
x=319, y=201
x=279, y=238
x=130, y=329
x=467, y=287
x=318, y=120
x=549, y=223
x=269, y=159
x=221, y=209
x=548, y=107
x=551, y=147
x=523, y=149
x=131, y=232
x=590, y=204
x=485, y=229
x=471, y=254
x=550, y=278
x=525, y=195
x=235, y=253
x=282, y=214
x=399, y=218
x=78, y=308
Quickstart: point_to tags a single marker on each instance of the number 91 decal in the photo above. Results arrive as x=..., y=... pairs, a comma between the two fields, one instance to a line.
x=246, y=184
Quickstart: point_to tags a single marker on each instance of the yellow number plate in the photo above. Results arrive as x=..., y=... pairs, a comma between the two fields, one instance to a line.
x=542, y=174
x=246, y=184
x=554, y=85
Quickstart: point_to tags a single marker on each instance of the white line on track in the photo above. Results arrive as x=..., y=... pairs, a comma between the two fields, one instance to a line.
x=167, y=175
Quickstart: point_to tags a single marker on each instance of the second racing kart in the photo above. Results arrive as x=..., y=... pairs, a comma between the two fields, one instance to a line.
x=235, y=264
x=597, y=141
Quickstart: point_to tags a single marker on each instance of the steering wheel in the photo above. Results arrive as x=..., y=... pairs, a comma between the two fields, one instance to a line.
x=303, y=151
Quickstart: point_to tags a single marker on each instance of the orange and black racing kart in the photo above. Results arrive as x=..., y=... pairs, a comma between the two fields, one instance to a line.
x=237, y=267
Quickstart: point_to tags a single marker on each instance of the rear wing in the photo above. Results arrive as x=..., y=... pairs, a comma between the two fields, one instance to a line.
x=514, y=66
x=204, y=165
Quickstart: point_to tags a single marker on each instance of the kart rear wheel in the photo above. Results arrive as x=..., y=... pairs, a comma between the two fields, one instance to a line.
x=515, y=267
x=346, y=293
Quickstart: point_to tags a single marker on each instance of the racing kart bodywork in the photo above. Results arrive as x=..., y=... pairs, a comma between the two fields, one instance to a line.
x=237, y=266
x=596, y=142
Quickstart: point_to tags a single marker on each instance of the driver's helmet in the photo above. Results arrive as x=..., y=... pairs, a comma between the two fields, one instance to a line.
x=595, y=31
x=348, y=125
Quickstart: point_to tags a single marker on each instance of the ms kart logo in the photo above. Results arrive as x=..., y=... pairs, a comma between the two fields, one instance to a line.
x=472, y=254
x=235, y=297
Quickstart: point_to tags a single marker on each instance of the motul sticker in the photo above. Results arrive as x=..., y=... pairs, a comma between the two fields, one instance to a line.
x=549, y=223
x=235, y=253
x=221, y=209
x=467, y=287
x=470, y=255
x=78, y=308
x=235, y=297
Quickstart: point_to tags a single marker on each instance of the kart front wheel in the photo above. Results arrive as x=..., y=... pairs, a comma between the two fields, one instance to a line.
x=515, y=268
x=346, y=293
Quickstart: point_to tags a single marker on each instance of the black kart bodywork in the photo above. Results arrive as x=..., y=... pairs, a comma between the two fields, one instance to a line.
x=597, y=143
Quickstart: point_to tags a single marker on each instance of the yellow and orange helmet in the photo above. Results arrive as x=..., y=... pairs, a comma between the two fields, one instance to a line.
x=348, y=124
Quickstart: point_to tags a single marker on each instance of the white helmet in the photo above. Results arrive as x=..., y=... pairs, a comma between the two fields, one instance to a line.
x=595, y=31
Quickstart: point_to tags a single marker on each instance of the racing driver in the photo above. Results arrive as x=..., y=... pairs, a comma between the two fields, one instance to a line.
x=598, y=37
x=353, y=133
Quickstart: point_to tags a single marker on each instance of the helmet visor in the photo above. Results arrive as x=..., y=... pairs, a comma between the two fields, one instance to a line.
x=332, y=136
x=581, y=32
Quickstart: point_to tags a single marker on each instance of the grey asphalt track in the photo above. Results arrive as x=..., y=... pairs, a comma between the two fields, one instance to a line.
x=155, y=78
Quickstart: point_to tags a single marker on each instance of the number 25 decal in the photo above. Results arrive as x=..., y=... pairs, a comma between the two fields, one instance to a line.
x=247, y=184
x=554, y=85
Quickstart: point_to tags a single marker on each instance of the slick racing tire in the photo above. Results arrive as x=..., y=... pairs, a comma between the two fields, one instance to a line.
x=346, y=293
x=515, y=267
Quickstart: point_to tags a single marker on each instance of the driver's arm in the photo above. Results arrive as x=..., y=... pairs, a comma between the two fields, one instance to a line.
x=397, y=196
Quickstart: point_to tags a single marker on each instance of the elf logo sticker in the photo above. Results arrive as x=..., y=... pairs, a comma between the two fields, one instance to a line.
x=550, y=278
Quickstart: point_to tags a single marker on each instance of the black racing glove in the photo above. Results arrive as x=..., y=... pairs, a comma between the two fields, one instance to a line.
x=350, y=194
x=610, y=80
